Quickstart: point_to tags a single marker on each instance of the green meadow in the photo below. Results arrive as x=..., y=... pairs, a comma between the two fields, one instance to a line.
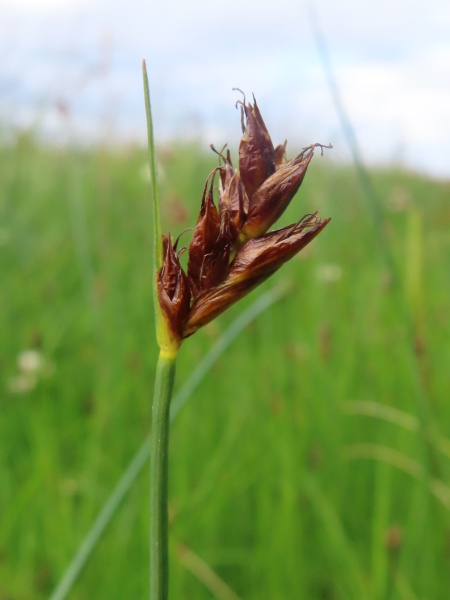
x=312, y=461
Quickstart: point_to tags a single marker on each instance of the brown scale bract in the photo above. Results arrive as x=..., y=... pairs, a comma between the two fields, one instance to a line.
x=253, y=264
x=273, y=196
x=256, y=151
x=173, y=289
x=280, y=154
x=232, y=198
x=209, y=250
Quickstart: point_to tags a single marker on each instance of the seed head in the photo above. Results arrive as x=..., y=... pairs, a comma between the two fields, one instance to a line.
x=230, y=251
x=256, y=151
x=209, y=250
x=254, y=263
x=173, y=289
x=233, y=202
x=273, y=196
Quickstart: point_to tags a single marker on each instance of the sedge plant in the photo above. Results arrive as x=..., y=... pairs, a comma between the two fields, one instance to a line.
x=231, y=252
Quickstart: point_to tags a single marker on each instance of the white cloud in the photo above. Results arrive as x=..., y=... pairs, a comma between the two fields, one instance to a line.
x=391, y=62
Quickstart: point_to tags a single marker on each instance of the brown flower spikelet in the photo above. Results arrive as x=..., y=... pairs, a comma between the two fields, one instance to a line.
x=230, y=252
x=209, y=250
x=273, y=196
x=256, y=151
x=233, y=202
x=173, y=289
x=257, y=260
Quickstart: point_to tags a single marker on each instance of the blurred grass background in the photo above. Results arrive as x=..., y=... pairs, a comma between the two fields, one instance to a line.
x=314, y=459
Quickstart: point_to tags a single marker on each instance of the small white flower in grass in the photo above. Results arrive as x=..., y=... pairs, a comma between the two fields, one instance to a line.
x=32, y=366
x=30, y=361
x=329, y=273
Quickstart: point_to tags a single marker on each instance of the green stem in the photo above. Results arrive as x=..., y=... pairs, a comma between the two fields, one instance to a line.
x=159, y=567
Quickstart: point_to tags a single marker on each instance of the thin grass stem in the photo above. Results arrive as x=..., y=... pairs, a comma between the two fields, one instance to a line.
x=159, y=469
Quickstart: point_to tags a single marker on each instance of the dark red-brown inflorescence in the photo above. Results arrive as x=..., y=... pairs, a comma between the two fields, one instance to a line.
x=173, y=289
x=231, y=252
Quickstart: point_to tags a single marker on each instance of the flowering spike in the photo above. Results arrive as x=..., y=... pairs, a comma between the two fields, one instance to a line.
x=272, y=198
x=232, y=199
x=230, y=252
x=209, y=249
x=256, y=151
x=254, y=263
x=173, y=290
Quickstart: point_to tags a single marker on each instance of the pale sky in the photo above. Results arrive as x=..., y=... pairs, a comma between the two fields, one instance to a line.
x=71, y=68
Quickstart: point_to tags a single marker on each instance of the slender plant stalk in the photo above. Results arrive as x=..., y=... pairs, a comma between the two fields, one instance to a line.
x=165, y=375
x=159, y=524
